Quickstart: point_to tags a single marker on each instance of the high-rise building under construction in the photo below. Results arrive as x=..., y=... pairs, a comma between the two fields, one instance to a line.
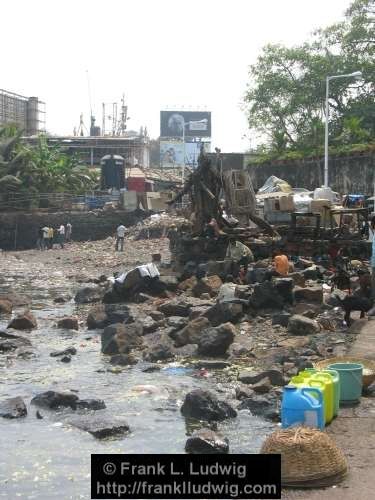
x=28, y=113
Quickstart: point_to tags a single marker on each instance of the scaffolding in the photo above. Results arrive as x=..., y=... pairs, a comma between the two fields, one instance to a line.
x=28, y=113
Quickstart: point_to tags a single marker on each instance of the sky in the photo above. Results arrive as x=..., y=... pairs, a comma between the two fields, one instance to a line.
x=162, y=54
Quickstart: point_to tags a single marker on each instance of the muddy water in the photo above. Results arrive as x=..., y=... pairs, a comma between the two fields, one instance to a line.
x=48, y=458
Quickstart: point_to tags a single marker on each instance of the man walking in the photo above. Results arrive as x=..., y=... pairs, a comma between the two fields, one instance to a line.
x=120, y=235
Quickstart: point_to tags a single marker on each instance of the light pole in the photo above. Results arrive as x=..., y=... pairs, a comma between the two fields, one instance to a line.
x=357, y=75
x=183, y=140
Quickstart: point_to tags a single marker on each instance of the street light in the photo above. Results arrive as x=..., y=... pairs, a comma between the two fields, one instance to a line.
x=357, y=75
x=205, y=120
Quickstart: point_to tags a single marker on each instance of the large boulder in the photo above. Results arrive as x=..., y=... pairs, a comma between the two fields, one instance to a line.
x=102, y=315
x=68, y=323
x=161, y=351
x=206, y=441
x=24, y=321
x=281, y=318
x=191, y=333
x=300, y=325
x=313, y=294
x=216, y=340
x=120, y=338
x=204, y=405
x=88, y=294
x=210, y=285
x=54, y=400
x=6, y=306
x=223, y=312
x=266, y=296
x=13, y=408
x=97, y=318
x=101, y=426
x=284, y=287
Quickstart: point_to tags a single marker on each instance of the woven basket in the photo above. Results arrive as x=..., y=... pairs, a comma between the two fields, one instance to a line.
x=367, y=378
x=309, y=457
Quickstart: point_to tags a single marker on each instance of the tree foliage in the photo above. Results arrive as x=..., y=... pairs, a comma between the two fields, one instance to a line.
x=39, y=169
x=285, y=98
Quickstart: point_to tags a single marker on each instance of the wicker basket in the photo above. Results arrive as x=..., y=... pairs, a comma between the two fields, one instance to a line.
x=368, y=365
x=309, y=457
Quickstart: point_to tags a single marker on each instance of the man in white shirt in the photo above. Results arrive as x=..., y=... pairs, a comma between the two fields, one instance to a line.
x=120, y=235
x=61, y=235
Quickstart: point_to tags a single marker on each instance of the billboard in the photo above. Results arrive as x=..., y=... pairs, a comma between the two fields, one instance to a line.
x=171, y=154
x=195, y=123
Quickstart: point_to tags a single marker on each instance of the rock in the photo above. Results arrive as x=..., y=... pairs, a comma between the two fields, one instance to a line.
x=150, y=325
x=13, y=408
x=215, y=341
x=210, y=285
x=68, y=323
x=204, y=405
x=151, y=369
x=123, y=360
x=10, y=342
x=266, y=296
x=298, y=278
x=197, y=311
x=118, y=313
x=66, y=359
x=62, y=299
x=252, y=377
x=186, y=351
x=205, y=296
x=120, y=338
x=141, y=298
x=6, y=306
x=300, y=325
x=206, y=441
x=309, y=313
x=218, y=267
x=54, y=400
x=169, y=282
x=97, y=318
x=157, y=315
x=294, y=343
x=101, y=427
x=177, y=322
x=88, y=294
x=244, y=392
x=188, y=284
x=312, y=294
x=263, y=386
x=222, y=312
x=284, y=287
x=38, y=415
x=281, y=318
x=175, y=308
x=16, y=299
x=66, y=352
x=311, y=273
x=191, y=333
x=25, y=321
x=91, y=404
x=259, y=406
x=161, y=351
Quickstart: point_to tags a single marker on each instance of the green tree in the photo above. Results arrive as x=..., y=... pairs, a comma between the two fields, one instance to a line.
x=285, y=98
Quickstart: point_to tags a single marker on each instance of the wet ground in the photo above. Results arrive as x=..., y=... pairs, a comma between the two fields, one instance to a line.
x=47, y=458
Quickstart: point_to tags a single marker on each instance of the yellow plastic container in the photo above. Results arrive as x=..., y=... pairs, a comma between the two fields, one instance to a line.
x=327, y=397
x=336, y=389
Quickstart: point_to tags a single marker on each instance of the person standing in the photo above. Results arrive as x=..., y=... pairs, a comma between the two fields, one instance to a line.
x=68, y=234
x=39, y=241
x=120, y=235
x=50, y=238
x=61, y=235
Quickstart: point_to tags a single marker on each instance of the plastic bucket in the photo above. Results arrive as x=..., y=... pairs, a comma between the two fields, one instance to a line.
x=350, y=375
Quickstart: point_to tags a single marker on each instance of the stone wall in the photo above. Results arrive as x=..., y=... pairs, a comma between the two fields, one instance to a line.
x=347, y=174
x=20, y=230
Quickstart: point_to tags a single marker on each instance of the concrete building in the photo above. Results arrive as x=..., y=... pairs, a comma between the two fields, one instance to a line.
x=28, y=113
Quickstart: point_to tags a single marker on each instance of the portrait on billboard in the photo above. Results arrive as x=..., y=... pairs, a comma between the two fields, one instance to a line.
x=193, y=123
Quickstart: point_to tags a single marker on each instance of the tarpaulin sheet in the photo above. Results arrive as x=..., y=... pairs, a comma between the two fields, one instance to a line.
x=273, y=185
